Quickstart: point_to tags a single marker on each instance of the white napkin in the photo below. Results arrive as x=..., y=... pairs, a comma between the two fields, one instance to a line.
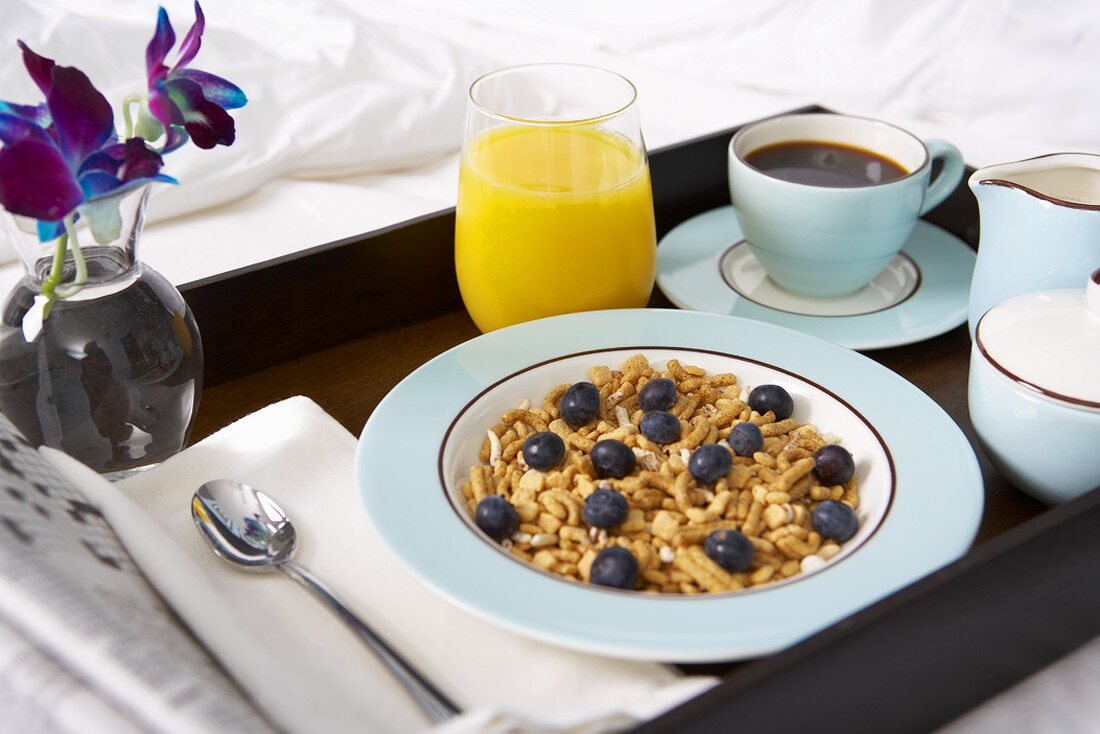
x=300, y=665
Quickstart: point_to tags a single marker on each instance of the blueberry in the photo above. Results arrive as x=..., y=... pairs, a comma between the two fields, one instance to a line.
x=773, y=398
x=543, y=450
x=496, y=517
x=660, y=426
x=710, y=462
x=614, y=567
x=605, y=508
x=835, y=520
x=612, y=458
x=833, y=464
x=580, y=404
x=730, y=549
x=657, y=394
x=746, y=439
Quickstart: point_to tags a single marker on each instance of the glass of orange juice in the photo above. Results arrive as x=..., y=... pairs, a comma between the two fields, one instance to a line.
x=555, y=207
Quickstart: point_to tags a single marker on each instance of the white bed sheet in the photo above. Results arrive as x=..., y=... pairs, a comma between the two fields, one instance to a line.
x=357, y=105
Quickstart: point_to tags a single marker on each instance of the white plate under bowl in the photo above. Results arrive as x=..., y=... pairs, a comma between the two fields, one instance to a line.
x=704, y=264
x=418, y=445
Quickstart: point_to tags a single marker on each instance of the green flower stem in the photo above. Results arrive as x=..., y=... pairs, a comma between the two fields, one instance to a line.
x=78, y=260
x=57, y=269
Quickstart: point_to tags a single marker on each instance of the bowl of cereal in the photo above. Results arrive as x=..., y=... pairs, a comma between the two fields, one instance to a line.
x=664, y=485
x=710, y=471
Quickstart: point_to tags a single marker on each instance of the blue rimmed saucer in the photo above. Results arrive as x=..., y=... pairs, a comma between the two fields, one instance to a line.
x=704, y=264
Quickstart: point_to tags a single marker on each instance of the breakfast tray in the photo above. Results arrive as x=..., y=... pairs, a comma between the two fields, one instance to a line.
x=345, y=321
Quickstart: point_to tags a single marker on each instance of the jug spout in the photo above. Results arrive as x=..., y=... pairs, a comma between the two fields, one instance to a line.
x=1063, y=179
x=1040, y=227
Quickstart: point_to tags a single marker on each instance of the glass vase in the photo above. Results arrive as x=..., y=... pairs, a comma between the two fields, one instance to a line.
x=108, y=370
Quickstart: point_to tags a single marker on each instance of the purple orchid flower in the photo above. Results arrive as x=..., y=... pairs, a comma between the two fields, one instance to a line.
x=65, y=154
x=188, y=102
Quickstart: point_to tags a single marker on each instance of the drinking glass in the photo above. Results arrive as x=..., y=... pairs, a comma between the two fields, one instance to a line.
x=555, y=207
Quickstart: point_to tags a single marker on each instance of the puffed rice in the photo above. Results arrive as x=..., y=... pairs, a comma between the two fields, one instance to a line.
x=769, y=496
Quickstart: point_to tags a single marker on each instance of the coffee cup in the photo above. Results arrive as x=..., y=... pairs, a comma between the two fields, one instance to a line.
x=826, y=201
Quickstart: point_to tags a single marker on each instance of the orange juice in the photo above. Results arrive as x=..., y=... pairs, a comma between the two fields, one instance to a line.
x=552, y=220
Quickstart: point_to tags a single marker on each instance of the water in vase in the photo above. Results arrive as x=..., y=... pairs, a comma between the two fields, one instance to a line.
x=112, y=378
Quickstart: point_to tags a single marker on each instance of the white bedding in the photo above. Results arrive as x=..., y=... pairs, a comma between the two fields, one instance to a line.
x=356, y=106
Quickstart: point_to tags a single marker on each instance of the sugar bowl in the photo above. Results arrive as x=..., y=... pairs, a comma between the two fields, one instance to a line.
x=1034, y=390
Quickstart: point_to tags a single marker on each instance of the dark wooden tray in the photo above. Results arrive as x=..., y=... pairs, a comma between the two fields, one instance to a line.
x=344, y=322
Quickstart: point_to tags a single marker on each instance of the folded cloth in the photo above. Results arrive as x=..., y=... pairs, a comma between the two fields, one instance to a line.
x=296, y=660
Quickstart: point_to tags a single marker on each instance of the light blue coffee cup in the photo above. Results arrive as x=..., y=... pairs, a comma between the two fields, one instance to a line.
x=826, y=241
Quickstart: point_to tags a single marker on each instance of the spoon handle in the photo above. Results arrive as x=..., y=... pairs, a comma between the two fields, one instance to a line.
x=434, y=703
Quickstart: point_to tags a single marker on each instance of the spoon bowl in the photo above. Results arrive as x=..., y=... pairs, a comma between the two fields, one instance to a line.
x=243, y=525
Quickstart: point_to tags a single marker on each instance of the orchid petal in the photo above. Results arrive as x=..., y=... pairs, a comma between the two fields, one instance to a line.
x=159, y=46
x=13, y=129
x=97, y=183
x=175, y=137
x=127, y=186
x=162, y=107
x=38, y=114
x=39, y=67
x=210, y=126
x=104, y=219
x=107, y=159
x=50, y=231
x=141, y=161
x=193, y=40
x=36, y=182
x=206, y=123
x=221, y=92
x=81, y=115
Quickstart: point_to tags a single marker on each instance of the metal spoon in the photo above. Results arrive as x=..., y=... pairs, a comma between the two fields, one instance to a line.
x=246, y=528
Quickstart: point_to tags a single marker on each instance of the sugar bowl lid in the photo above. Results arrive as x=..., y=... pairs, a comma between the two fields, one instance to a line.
x=1049, y=342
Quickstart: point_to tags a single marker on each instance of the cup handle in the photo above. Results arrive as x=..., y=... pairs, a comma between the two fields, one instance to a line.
x=949, y=177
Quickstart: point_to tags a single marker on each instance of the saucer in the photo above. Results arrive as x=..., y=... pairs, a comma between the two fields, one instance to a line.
x=705, y=265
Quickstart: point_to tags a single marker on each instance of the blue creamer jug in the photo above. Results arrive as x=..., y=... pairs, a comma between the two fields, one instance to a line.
x=1040, y=227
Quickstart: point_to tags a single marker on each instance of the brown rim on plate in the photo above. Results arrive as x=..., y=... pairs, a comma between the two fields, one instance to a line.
x=463, y=514
x=732, y=287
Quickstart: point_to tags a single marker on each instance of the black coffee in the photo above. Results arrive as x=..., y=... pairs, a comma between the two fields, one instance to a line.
x=824, y=164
